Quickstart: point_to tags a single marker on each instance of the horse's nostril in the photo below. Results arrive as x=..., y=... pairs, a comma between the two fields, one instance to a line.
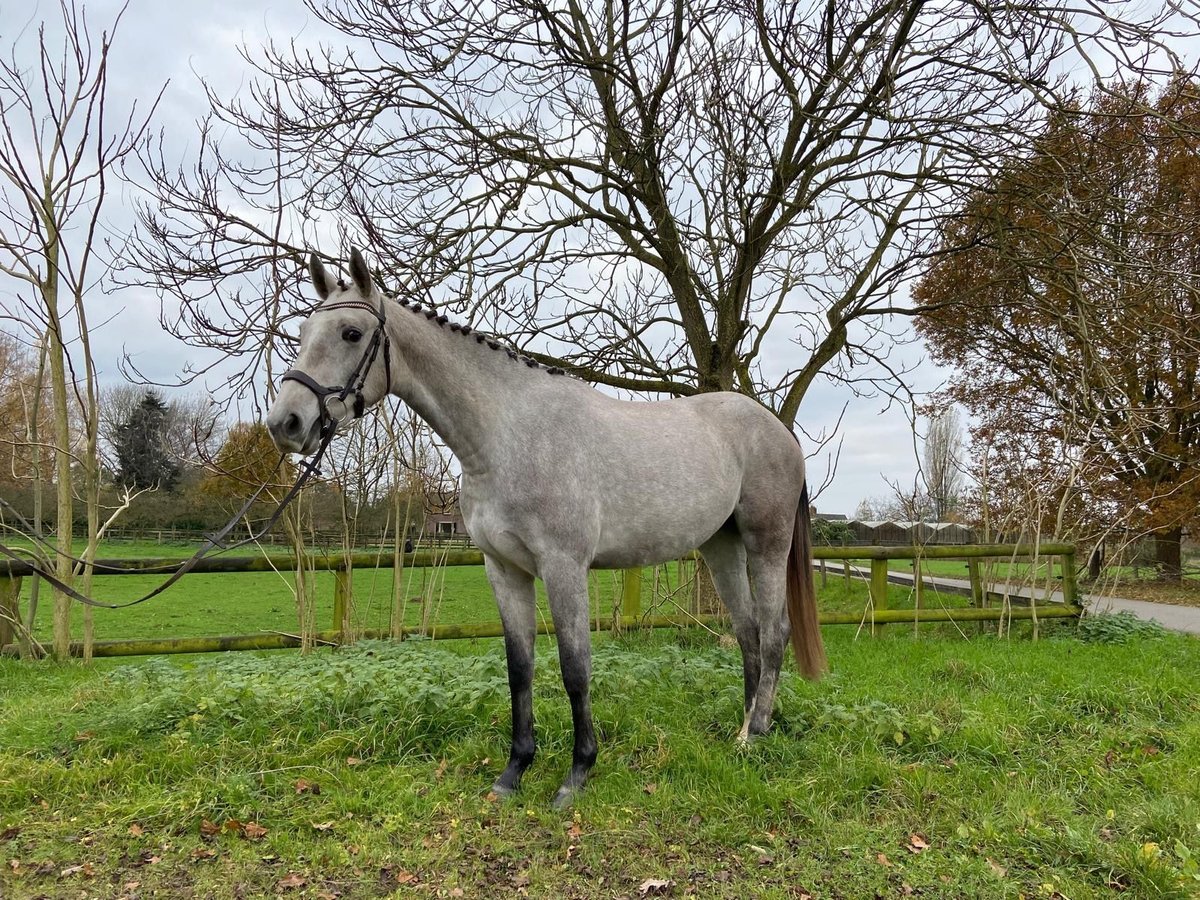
x=291, y=425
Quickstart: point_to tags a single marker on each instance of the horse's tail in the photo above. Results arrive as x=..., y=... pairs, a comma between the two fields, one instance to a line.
x=802, y=597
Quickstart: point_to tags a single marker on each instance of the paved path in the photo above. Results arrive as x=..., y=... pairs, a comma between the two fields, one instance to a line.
x=1175, y=618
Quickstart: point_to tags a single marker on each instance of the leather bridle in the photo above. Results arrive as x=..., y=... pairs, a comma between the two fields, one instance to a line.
x=358, y=378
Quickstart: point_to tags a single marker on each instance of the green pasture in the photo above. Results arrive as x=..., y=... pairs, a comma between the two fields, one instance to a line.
x=239, y=603
x=931, y=765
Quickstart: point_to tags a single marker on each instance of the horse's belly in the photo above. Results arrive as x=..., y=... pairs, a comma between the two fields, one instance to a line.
x=646, y=532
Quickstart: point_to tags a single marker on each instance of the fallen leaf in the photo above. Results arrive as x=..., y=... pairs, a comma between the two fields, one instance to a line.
x=457, y=892
x=208, y=829
x=883, y=860
x=441, y=770
x=492, y=797
x=304, y=786
x=353, y=761
x=322, y=826
x=254, y=832
x=574, y=831
x=81, y=736
x=405, y=877
x=291, y=881
x=1151, y=750
x=132, y=885
x=651, y=788
x=203, y=853
x=996, y=867
x=9, y=833
x=232, y=825
x=656, y=887
x=136, y=830
x=916, y=843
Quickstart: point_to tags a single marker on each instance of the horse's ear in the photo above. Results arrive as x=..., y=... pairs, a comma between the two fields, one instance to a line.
x=322, y=283
x=360, y=273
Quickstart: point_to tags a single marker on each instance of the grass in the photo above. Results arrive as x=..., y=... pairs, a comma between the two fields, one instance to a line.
x=238, y=603
x=924, y=764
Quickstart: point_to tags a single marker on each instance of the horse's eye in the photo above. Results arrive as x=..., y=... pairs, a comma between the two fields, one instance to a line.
x=353, y=335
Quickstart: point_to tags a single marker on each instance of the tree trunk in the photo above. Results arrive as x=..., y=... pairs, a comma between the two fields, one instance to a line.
x=62, y=456
x=1096, y=562
x=1167, y=553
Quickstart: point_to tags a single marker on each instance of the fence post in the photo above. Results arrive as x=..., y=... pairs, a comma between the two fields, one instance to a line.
x=978, y=595
x=879, y=582
x=10, y=608
x=1070, y=588
x=631, y=593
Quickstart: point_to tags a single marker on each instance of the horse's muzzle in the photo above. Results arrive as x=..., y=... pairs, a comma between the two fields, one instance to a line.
x=292, y=435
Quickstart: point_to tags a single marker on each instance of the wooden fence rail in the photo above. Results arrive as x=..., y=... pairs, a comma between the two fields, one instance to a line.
x=12, y=574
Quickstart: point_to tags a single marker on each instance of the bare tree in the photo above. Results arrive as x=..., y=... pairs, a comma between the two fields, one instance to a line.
x=647, y=193
x=943, y=464
x=58, y=146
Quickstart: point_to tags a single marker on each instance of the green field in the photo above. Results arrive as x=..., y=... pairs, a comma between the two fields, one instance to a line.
x=934, y=765
x=932, y=761
x=239, y=603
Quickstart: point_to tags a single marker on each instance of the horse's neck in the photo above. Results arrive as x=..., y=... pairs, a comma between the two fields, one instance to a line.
x=461, y=388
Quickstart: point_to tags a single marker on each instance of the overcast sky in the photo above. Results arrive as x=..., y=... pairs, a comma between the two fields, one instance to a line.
x=181, y=42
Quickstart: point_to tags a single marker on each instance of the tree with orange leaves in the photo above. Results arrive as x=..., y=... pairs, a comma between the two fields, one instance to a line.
x=1072, y=316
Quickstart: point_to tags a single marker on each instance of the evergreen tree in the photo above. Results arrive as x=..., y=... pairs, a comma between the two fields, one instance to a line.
x=142, y=456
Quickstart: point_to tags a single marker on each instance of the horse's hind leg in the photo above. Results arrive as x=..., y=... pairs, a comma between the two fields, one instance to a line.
x=516, y=600
x=567, y=592
x=769, y=571
x=725, y=555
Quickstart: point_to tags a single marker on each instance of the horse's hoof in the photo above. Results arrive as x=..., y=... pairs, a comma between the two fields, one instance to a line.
x=564, y=798
x=502, y=791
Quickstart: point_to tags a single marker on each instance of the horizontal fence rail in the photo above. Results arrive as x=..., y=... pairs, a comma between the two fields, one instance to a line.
x=878, y=612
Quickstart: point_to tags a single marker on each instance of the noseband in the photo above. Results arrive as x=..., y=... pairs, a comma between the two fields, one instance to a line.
x=358, y=378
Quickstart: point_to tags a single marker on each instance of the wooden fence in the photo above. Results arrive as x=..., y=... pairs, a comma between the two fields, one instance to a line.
x=632, y=616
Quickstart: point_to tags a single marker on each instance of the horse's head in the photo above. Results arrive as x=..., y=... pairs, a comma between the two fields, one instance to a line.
x=344, y=364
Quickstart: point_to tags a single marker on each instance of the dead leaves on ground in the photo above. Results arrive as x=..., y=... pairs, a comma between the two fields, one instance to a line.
x=251, y=831
x=656, y=887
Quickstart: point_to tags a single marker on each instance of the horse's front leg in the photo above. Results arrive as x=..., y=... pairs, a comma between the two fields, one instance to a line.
x=515, y=598
x=566, y=589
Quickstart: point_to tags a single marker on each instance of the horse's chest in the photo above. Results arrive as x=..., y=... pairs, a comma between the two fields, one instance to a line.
x=520, y=526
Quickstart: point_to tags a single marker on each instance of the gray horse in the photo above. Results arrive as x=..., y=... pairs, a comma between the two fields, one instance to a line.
x=558, y=478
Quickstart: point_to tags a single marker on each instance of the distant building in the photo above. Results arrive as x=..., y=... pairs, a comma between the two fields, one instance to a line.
x=907, y=533
x=446, y=524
